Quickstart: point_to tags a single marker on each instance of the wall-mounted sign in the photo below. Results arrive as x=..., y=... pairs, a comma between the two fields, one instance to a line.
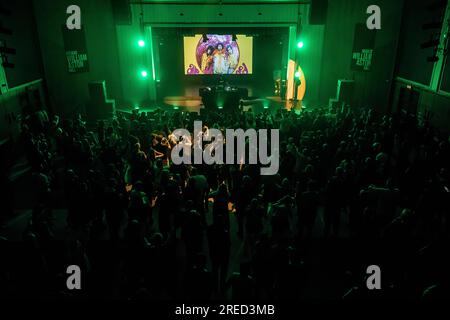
x=75, y=50
x=363, y=48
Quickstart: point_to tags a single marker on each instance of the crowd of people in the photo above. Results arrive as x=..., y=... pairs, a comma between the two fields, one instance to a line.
x=354, y=188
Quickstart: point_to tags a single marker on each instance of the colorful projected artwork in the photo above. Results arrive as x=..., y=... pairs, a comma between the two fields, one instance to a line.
x=218, y=54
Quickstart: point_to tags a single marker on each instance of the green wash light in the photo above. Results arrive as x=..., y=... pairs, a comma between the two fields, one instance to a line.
x=297, y=74
x=300, y=44
x=144, y=74
x=141, y=43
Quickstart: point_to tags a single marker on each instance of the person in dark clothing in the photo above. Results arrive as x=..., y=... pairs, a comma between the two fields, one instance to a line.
x=307, y=206
x=242, y=284
x=219, y=250
x=220, y=204
x=334, y=202
x=243, y=198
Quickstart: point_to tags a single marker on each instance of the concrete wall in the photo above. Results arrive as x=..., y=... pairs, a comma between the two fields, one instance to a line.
x=27, y=60
x=13, y=103
x=436, y=104
x=69, y=92
x=370, y=87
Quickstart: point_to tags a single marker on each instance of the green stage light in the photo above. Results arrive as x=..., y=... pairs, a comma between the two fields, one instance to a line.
x=141, y=43
x=297, y=74
x=300, y=44
x=175, y=108
x=144, y=74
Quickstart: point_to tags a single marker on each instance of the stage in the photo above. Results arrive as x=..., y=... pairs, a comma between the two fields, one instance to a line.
x=195, y=104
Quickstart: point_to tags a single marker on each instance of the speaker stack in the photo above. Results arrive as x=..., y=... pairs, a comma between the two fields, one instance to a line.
x=99, y=107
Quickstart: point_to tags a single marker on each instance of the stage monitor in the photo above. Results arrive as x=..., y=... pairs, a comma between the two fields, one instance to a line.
x=218, y=54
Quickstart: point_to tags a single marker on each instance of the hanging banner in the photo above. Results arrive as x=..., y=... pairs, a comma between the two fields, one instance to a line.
x=363, y=46
x=75, y=50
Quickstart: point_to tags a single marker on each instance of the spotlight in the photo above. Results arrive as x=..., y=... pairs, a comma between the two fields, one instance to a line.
x=144, y=74
x=141, y=43
x=297, y=74
x=300, y=44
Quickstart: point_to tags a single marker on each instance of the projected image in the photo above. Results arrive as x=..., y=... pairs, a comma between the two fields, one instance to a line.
x=218, y=54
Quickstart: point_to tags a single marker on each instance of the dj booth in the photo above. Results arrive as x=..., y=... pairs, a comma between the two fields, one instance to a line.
x=222, y=96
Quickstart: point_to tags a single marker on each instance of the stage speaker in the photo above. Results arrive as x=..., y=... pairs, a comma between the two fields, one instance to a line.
x=345, y=89
x=99, y=106
x=121, y=12
x=318, y=12
x=97, y=91
x=408, y=100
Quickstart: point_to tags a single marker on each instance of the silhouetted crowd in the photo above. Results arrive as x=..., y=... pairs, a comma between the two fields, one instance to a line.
x=354, y=188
